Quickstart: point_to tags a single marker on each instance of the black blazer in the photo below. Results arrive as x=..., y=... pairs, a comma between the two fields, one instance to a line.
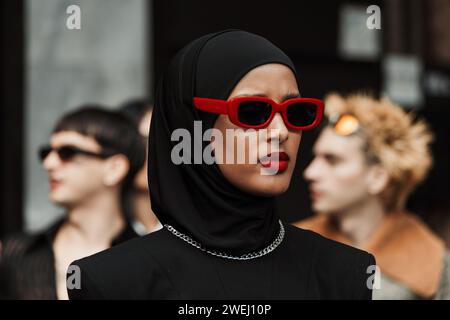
x=161, y=266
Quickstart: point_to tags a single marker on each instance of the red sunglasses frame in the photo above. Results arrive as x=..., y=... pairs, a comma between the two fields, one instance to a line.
x=231, y=107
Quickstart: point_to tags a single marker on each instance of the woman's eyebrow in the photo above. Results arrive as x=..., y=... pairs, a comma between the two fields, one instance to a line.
x=252, y=95
x=290, y=96
x=285, y=97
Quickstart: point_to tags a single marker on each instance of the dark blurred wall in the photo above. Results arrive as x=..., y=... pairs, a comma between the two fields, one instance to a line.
x=11, y=117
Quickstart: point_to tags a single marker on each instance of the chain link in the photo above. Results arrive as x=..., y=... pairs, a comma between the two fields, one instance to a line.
x=247, y=256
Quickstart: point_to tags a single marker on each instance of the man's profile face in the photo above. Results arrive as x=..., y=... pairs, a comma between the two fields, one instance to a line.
x=338, y=173
x=77, y=179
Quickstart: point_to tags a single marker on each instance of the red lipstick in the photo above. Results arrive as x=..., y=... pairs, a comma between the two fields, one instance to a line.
x=275, y=160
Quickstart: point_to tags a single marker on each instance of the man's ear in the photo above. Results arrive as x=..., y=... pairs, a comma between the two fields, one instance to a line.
x=378, y=179
x=116, y=169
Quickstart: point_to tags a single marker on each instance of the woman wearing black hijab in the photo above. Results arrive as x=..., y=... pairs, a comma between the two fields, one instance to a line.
x=222, y=237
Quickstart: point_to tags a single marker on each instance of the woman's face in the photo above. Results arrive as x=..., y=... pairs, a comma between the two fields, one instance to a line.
x=278, y=83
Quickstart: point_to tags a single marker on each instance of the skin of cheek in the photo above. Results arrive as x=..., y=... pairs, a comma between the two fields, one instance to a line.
x=81, y=181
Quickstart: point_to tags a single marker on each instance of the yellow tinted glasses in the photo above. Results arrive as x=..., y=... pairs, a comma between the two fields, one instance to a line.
x=345, y=124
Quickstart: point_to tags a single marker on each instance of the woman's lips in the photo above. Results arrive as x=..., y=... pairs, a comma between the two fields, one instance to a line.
x=276, y=160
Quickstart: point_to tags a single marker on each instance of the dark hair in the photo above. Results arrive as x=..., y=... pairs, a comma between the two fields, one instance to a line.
x=112, y=131
x=135, y=109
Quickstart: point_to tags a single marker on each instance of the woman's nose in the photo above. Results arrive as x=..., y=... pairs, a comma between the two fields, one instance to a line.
x=277, y=129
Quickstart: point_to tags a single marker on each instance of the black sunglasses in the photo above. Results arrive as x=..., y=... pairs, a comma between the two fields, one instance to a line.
x=66, y=153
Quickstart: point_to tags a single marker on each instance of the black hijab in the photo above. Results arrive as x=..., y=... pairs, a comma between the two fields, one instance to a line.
x=197, y=199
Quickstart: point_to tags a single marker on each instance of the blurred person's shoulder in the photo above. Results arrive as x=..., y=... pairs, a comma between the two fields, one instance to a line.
x=21, y=243
x=15, y=244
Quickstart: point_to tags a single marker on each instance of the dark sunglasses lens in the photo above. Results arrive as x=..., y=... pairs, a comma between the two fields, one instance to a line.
x=44, y=152
x=302, y=114
x=66, y=153
x=254, y=112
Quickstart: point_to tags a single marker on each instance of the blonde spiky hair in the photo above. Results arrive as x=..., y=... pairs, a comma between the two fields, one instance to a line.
x=394, y=139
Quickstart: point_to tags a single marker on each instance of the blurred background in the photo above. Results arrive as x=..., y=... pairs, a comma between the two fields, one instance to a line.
x=123, y=46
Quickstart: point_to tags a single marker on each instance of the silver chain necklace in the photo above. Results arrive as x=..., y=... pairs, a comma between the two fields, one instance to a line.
x=247, y=256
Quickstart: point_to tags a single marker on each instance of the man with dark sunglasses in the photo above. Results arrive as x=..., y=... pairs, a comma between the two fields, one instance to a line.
x=92, y=159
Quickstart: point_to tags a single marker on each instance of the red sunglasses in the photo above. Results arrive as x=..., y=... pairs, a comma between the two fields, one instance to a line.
x=258, y=112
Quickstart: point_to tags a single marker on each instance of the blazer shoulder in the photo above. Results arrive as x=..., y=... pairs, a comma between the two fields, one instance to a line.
x=347, y=269
x=125, y=271
x=330, y=249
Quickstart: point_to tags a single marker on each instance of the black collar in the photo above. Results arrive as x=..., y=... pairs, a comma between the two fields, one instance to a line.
x=47, y=236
